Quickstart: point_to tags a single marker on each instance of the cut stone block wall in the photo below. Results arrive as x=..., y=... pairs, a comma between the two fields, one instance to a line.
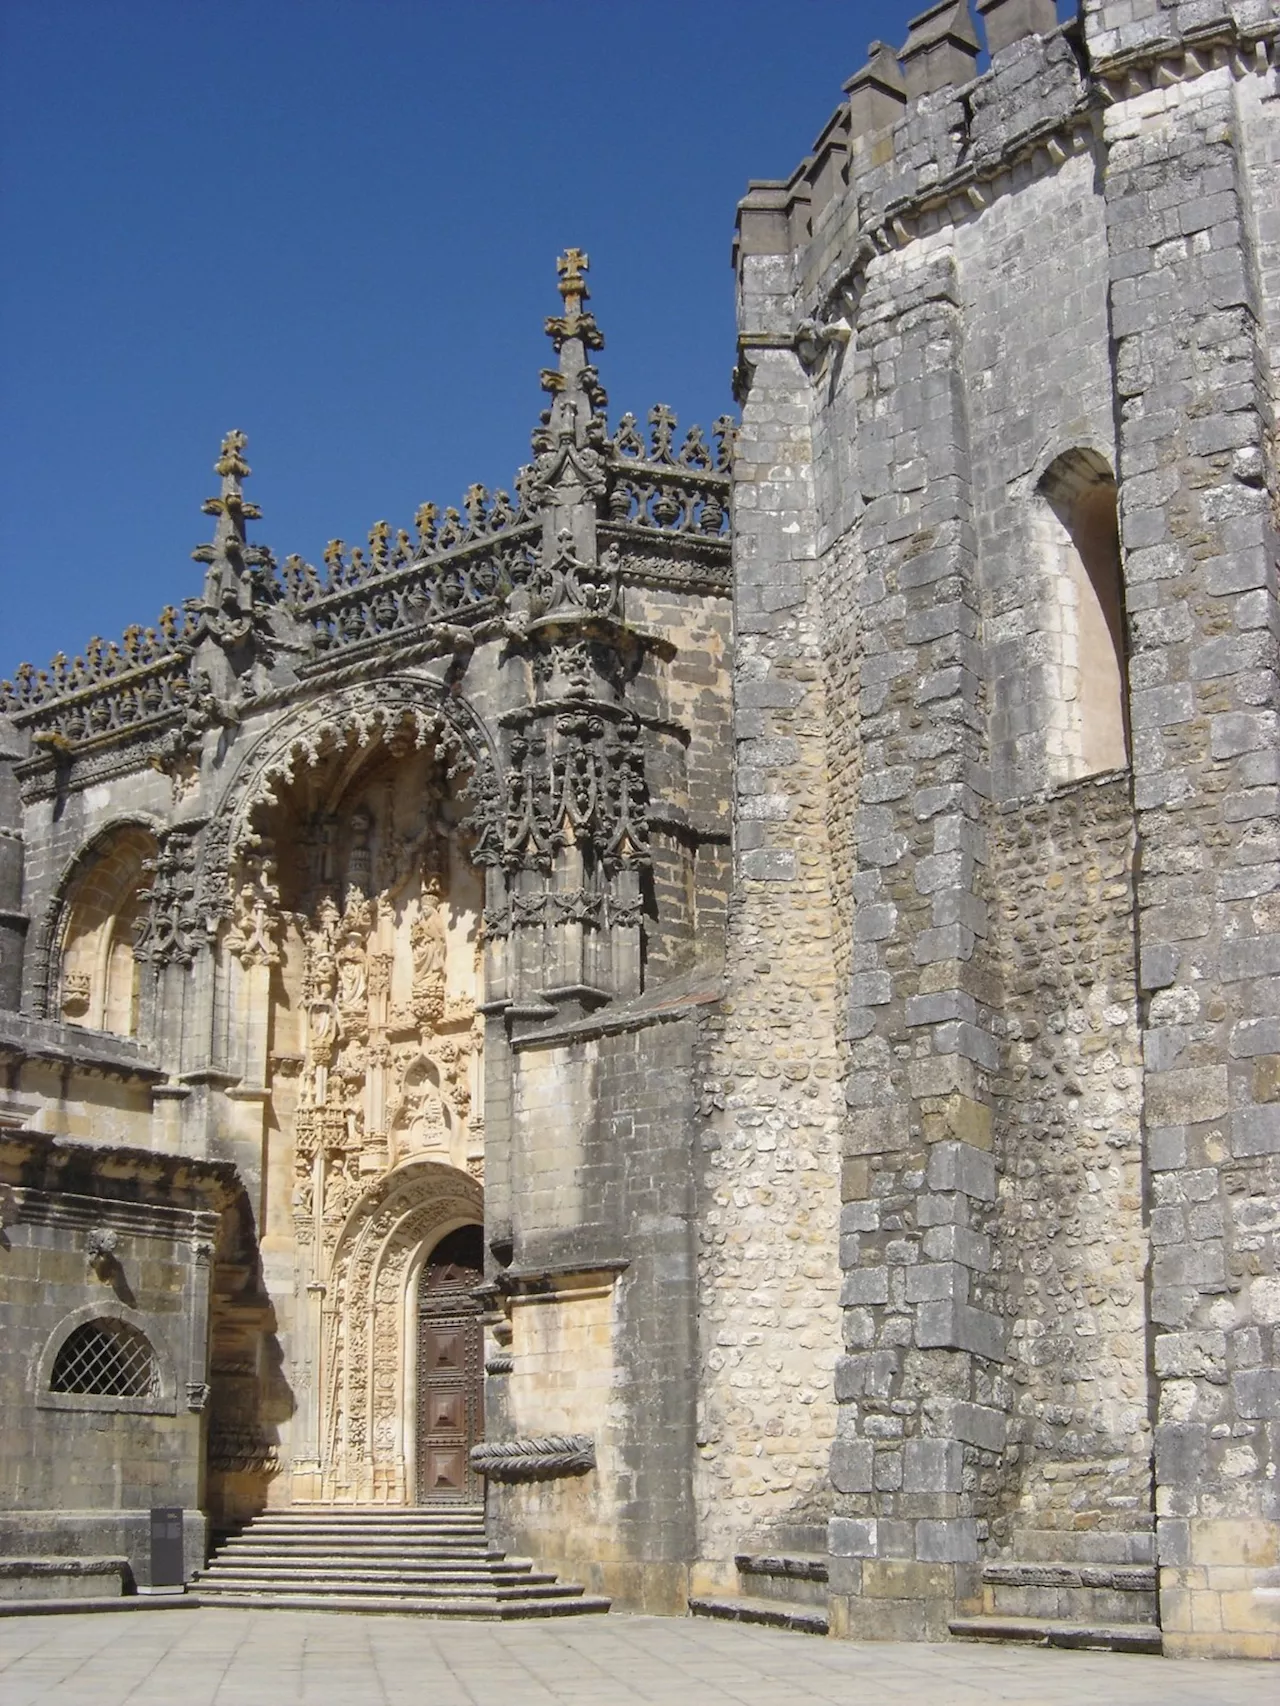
x=80, y=1473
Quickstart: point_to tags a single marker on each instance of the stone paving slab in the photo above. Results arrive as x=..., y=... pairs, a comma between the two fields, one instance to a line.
x=221, y=1657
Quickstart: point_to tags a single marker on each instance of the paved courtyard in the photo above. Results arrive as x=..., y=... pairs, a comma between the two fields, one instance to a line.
x=221, y=1657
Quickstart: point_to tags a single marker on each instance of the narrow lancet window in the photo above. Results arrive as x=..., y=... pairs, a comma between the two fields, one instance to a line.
x=1079, y=493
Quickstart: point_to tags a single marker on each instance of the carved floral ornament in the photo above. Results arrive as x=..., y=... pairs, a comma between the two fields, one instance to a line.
x=576, y=778
x=203, y=875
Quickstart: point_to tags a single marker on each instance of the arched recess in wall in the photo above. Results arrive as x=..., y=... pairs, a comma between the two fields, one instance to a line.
x=368, y=1414
x=92, y=976
x=1081, y=527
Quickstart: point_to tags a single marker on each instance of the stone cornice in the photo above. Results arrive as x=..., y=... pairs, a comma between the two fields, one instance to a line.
x=23, y=1039
x=65, y=1167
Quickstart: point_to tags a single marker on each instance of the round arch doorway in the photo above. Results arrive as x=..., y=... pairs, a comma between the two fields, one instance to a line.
x=450, y=1367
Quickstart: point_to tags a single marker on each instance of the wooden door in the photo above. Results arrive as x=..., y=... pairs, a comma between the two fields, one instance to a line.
x=450, y=1369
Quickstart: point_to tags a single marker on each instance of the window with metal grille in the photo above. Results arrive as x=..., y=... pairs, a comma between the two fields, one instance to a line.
x=106, y=1359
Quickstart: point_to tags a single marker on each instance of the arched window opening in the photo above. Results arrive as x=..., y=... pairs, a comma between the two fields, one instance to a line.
x=99, y=975
x=105, y=1359
x=1080, y=496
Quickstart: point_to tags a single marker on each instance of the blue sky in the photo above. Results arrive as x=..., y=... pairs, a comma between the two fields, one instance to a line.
x=333, y=224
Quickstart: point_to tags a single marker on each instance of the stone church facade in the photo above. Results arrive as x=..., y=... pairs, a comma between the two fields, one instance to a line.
x=820, y=965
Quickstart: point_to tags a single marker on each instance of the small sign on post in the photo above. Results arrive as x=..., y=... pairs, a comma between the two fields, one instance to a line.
x=168, y=1568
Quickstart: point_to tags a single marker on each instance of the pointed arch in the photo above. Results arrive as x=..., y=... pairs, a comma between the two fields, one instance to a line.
x=401, y=707
x=85, y=968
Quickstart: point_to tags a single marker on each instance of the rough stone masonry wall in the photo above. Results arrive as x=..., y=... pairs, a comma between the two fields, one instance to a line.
x=769, y=1190
x=1196, y=399
x=919, y=1386
x=1076, y=1477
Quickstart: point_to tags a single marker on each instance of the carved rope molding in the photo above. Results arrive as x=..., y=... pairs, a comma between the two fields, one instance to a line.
x=541, y=1459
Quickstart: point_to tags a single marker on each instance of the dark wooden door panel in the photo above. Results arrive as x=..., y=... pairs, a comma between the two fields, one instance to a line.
x=450, y=1371
x=446, y=1348
x=448, y=1413
x=447, y=1471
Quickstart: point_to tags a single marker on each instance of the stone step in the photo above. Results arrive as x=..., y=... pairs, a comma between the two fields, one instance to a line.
x=1050, y=1632
x=371, y=1561
x=373, y=1530
x=74, y=1606
x=777, y=1614
x=791, y=1578
x=407, y=1517
x=1119, y=1578
x=398, y=1530
x=55, y=1577
x=579, y=1604
x=389, y=1514
x=274, y=1545
x=261, y=1558
x=234, y=1582
x=499, y=1576
x=805, y=1566
x=1101, y=1594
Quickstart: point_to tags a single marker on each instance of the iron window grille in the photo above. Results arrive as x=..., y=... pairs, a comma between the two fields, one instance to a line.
x=105, y=1359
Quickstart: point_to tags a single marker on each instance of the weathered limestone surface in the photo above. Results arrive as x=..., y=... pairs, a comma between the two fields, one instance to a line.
x=768, y=1201
x=834, y=959
x=396, y=891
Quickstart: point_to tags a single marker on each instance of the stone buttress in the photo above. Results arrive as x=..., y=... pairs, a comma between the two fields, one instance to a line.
x=1007, y=350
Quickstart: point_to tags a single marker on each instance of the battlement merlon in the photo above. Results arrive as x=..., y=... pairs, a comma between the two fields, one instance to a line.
x=919, y=142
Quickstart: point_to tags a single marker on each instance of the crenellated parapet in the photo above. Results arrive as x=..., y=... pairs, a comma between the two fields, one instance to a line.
x=920, y=143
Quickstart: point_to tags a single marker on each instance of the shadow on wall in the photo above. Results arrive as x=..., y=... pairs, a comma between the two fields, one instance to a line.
x=249, y=1396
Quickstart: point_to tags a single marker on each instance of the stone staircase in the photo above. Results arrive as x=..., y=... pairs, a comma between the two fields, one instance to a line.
x=1108, y=1601
x=425, y=1561
x=786, y=1590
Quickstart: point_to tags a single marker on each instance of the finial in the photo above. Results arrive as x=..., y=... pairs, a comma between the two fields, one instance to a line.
x=231, y=462
x=572, y=286
x=568, y=438
x=229, y=553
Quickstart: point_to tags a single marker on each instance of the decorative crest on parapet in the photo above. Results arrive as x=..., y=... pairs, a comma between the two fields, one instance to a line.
x=439, y=585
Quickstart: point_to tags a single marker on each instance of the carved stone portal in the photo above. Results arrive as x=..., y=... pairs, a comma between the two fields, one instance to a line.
x=356, y=902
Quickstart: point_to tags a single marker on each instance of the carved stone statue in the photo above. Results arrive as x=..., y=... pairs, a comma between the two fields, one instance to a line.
x=427, y=938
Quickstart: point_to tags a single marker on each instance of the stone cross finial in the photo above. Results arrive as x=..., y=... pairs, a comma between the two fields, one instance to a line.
x=572, y=286
x=231, y=461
